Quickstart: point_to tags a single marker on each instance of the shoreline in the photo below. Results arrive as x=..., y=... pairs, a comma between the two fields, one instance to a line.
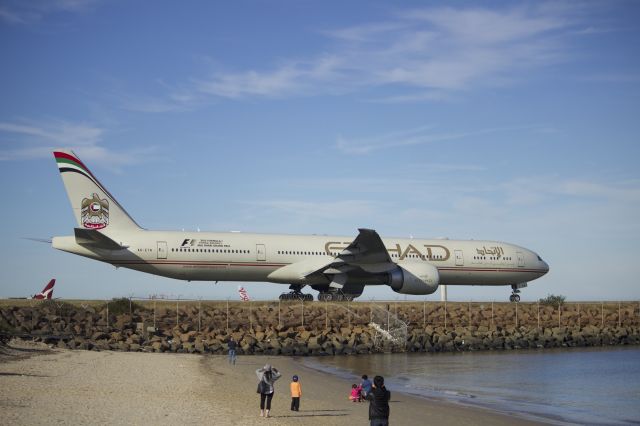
x=513, y=417
x=89, y=387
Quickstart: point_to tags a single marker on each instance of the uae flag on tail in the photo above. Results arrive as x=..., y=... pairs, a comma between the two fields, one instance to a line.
x=243, y=294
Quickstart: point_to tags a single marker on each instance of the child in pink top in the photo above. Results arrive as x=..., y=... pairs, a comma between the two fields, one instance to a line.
x=356, y=393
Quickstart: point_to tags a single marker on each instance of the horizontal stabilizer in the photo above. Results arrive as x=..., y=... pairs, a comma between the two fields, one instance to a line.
x=96, y=239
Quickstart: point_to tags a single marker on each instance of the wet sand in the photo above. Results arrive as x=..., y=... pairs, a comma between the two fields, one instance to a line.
x=41, y=386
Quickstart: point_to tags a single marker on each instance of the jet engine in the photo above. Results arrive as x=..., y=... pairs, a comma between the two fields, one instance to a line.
x=414, y=278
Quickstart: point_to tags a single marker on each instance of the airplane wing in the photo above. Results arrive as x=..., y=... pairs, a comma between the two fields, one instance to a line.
x=367, y=248
x=367, y=252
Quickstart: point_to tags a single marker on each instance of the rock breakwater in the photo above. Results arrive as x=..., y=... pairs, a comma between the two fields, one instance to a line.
x=318, y=328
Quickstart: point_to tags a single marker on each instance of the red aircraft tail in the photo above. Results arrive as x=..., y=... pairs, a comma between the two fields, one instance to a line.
x=47, y=292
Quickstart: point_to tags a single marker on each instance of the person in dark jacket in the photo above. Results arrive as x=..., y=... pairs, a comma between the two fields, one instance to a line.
x=232, y=345
x=379, y=403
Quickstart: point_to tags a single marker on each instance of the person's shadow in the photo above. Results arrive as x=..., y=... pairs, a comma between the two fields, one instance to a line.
x=315, y=413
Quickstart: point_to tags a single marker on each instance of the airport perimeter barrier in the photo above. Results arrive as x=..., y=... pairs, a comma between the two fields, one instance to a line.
x=77, y=317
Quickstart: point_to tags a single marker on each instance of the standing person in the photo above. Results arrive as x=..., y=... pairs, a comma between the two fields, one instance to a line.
x=379, y=403
x=366, y=385
x=232, y=350
x=296, y=393
x=267, y=376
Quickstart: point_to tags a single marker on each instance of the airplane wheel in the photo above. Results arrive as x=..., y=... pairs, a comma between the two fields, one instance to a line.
x=516, y=297
x=308, y=297
x=511, y=298
x=328, y=297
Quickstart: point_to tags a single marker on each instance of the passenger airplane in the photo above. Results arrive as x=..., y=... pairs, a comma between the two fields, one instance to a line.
x=337, y=267
x=47, y=291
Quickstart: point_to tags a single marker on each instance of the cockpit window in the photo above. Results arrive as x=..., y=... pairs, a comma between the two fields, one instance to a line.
x=539, y=258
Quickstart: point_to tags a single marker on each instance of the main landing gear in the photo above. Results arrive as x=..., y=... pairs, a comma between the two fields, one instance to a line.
x=296, y=294
x=329, y=296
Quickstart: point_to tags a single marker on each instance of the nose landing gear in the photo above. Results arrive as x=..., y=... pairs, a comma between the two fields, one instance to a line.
x=515, y=290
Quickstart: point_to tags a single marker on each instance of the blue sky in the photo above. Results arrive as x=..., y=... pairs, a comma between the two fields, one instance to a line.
x=509, y=121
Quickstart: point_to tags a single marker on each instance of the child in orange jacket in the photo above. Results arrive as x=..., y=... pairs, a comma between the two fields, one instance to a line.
x=296, y=393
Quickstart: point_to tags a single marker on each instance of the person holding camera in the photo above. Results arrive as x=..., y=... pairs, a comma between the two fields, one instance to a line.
x=378, y=403
x=267, y=376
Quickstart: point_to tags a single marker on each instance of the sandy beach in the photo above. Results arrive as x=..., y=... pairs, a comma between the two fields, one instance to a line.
x=53, y=386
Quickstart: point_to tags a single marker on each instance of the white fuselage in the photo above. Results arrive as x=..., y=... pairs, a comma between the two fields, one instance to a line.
x=213, y=256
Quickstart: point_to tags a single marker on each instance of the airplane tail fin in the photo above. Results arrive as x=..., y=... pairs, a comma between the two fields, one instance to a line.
x=47, y=291
x=93, y=206
x=243, y=294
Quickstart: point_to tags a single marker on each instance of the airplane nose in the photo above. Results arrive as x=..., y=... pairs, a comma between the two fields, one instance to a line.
x=545, y=266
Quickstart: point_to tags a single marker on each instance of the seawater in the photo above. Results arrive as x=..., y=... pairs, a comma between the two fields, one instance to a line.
x=562, y=386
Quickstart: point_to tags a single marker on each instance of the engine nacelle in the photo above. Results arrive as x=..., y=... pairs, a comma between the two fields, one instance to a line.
x=414, y=278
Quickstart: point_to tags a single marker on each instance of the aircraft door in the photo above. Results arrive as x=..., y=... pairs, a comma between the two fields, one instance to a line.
x=261, y=252
x=459, y=258
x=520, y=257
x=162, y=249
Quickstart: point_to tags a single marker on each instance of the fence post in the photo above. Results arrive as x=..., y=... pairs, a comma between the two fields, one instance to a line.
x=619, y=316
x=227, y=315
x=326, y=315
x=516, y=314
x=445, y=316
x=491, y=314
x=559, y=315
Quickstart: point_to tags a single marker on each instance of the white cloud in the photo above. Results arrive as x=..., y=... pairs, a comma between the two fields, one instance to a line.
x=57, y=132
x=28, y=12
x=546, y=189
x=26, y=140
x=317, y=209
x=416, y=136
x=489, y=27
x=439, y=49
x=295, y=77
x=429, y=54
